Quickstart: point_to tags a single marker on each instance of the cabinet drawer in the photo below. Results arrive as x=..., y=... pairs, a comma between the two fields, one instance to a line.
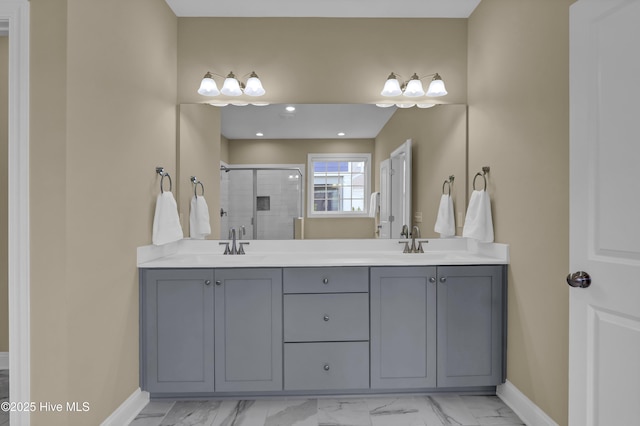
x=326, y=317
x=329, y=365
x=326, y=280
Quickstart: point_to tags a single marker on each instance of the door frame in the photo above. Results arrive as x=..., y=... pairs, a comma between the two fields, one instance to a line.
x=16, y=13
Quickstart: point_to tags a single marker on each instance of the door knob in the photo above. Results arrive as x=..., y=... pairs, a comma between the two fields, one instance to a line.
x=579, y=279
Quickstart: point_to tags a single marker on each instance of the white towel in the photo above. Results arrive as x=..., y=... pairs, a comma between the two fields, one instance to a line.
x=373, y=204
x=478, y=223
x=166, y=223
x=446, y=222
x=199, y=226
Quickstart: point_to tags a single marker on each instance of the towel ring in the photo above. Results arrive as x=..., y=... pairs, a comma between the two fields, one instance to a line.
x=483, y=178
x=446, y=182
x=196, y=182
x=161, y=172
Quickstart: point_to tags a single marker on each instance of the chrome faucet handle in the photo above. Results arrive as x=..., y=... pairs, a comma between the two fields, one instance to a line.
x=241, y=249
x=420, y=249
x=406, y=246
x=226, y=247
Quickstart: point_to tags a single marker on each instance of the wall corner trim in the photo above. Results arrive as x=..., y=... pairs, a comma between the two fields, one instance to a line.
x=128, y=410
x=4, y=360
x=528, y=412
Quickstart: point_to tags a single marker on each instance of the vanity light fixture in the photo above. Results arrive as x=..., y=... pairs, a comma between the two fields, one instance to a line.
x=406, y=105
x=231, y=86
x=413, y=87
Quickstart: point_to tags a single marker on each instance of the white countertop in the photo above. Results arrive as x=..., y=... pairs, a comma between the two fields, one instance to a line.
x=189, y=253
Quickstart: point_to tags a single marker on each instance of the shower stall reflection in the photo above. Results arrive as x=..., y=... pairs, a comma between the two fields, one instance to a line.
x=262, y=203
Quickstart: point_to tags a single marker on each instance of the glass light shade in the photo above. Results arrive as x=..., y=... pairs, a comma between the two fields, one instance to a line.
x=208, y=86
x=414, y=87
x=391, y=86
x=425, y=105
x=384, y=105
x=405, y=105
x=254, y=86
x=436, y=88
x=231, y=86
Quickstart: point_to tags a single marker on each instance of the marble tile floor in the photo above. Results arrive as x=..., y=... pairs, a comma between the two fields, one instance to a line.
x=4, y=396
x=436, y=410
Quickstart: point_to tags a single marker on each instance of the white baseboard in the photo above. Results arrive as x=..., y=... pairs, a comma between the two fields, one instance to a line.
x=4, y=360
x=528, y=412
x=128, y=410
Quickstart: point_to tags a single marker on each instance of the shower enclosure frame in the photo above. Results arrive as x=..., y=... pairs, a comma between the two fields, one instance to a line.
x=300, y=169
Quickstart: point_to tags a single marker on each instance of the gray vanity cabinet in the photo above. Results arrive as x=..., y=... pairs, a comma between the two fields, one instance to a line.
x=248, y=329
x=439, y=327
x=471, y=325
x=177, y=330
x=403, y=327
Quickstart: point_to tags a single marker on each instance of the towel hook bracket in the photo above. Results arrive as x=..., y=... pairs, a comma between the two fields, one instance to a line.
x=483, y=174
x=448, y=183
x=163, y=174
x=196, y=182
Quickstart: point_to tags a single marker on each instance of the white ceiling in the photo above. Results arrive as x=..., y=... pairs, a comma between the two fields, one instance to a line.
x=325, y=8
x=308, y=121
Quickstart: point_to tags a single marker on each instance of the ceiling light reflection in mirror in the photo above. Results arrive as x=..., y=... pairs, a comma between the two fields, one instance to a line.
x=305, y=121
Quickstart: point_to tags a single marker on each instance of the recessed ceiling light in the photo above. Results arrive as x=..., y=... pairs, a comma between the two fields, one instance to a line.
x=341, y=134
x=259, y=134
x=290, y=108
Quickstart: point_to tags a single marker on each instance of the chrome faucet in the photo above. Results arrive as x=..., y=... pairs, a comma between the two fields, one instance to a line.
x=235, y=248
x=415, y=232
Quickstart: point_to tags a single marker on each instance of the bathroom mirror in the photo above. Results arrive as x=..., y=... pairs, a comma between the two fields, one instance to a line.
x=209, y=134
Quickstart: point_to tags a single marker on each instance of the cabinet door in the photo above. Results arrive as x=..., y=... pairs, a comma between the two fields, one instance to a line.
x=177, y=330
x=471, y=325
x=248, y=329
x=403, y=327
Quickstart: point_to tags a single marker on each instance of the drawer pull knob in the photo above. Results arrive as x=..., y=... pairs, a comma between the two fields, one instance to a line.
x=207, y=282
x=326, y=367
x=432, y=279
x=443, y=279
x=218, y=282
x=326, y=317
x=325, y=281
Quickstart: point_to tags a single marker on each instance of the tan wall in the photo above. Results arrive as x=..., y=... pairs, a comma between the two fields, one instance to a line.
x=295, y=152
x=199, y=155
x=4, y=206
x=439, y=149
x=322, y=60
x=224, y=149
x=519, y=125
x=101, y=121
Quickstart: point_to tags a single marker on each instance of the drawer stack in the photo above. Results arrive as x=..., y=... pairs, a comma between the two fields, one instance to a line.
x=326, y=328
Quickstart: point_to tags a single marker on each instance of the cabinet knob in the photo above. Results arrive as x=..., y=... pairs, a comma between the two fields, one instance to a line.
x=207, y=282
x=326, y=317
x=443, y=279
x=218, y=282
x=432, y=279
x=326, y=367
x=325, y=281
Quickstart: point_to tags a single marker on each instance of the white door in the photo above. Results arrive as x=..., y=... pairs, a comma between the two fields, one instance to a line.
x=384, y=224
x=401, y=188
x=604, y=343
